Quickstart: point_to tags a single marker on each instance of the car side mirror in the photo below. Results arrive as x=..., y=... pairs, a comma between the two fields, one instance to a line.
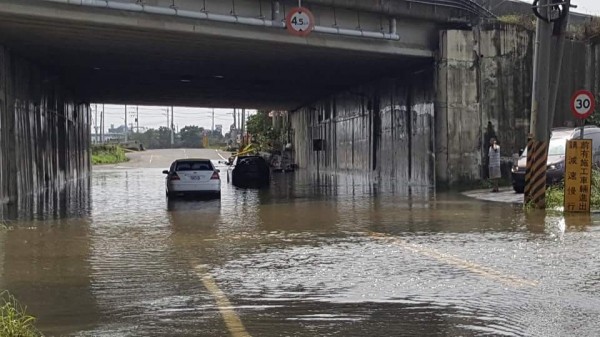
x=217, y=170
x=166, y=172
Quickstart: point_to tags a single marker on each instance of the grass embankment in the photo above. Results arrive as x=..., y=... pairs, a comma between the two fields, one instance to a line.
x=555, y=195
x=14, y=321
x=108, y=154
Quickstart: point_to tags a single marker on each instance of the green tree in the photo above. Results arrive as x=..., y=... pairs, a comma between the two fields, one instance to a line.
x=163, y=137
x=260, y=126
x=260, y=123
x=154, y=139
x=191, y=136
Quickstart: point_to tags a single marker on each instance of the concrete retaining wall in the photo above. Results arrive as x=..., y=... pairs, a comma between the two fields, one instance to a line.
x=383, y=129
x=484, y=90
x=44, y=132
x=481, y=87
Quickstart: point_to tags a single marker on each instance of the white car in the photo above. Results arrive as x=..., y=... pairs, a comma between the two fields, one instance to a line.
x=192, y=176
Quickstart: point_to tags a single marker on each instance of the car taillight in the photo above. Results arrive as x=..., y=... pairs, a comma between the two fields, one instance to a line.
x=174, y=176
x=215, y=175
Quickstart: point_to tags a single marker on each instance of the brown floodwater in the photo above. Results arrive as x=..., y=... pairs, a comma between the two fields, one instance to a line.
x=335, y=256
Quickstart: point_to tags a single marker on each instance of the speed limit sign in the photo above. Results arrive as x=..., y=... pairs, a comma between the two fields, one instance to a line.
x=583, y=104
x=299, y=21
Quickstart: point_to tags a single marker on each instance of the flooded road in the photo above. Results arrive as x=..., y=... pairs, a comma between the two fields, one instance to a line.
x=333, y=257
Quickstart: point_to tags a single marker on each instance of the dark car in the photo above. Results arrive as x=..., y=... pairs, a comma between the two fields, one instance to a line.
x=556, y=155
x=249, y=171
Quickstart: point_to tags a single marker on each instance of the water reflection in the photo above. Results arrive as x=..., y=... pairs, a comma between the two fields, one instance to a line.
x=71, y=200
x=335, y=256
x=46, y=265
x=578, y=222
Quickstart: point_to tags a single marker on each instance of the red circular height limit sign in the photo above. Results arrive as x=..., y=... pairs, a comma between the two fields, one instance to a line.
x=583, y=104
x=299, y=21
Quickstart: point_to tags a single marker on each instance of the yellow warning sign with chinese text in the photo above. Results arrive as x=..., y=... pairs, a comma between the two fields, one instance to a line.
x=578, y=175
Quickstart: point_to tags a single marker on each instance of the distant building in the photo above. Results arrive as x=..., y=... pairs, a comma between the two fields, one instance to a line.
x=121, y=129
x=108, y=137
x=113, y=135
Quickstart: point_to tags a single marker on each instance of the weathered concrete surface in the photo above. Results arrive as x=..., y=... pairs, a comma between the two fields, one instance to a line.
x=484, y=91
x=383, y=129
x=44, y=133
x=391, y=129
x=153, y=56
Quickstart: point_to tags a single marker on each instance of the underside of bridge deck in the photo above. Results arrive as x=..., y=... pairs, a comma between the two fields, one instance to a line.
x=111, y=56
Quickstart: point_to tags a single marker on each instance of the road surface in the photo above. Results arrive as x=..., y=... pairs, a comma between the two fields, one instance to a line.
x=333, y=256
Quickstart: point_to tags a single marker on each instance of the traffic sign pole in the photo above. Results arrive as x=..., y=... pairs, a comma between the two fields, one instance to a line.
x=551, y=21
x=539, y=127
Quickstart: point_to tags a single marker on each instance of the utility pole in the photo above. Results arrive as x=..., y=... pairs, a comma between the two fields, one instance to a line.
x=212, y=129
x=168, y=117
x=551, y=23
x=243, y=126
x=137, y=118
x=234, y=119
x=172, y=126
x=102, y=125
x=96, y=124
x=126, y=128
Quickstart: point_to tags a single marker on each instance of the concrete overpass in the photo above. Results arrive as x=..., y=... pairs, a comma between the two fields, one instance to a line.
x=195, y=53
x=219, y=53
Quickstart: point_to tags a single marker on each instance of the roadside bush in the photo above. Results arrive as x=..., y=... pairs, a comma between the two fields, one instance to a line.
x=588, y=30
x=14, y=321
x=555, y=195
x=108, y=154
x=525, y=21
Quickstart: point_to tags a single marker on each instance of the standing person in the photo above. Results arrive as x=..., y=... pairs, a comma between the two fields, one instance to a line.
x=494, y=163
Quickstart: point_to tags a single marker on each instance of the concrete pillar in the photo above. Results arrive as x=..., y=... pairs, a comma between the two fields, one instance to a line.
x=43, y=137
x=393, y=26
x=276, y=15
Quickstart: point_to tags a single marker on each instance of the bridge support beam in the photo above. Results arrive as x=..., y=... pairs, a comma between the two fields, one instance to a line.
x=380, y=131
x=44, y=132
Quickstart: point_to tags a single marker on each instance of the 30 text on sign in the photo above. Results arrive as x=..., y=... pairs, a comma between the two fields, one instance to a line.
x=578, y=175
x=583, y=104
x=299, y=21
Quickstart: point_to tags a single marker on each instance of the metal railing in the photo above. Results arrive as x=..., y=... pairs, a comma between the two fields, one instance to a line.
x=208, y=16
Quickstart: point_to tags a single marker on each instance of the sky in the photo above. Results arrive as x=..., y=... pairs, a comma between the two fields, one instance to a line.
x=584, y=6
x=587, y=6
x=156, y=116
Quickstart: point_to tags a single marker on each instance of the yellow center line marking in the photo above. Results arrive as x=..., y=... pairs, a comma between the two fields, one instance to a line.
x=464, y=264
x=232, y=320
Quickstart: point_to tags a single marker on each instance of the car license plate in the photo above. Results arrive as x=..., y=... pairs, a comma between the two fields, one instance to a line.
x=195, y=177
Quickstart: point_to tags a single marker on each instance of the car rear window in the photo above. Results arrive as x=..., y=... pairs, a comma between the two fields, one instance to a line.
x=252, y=161
x=204, y=165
